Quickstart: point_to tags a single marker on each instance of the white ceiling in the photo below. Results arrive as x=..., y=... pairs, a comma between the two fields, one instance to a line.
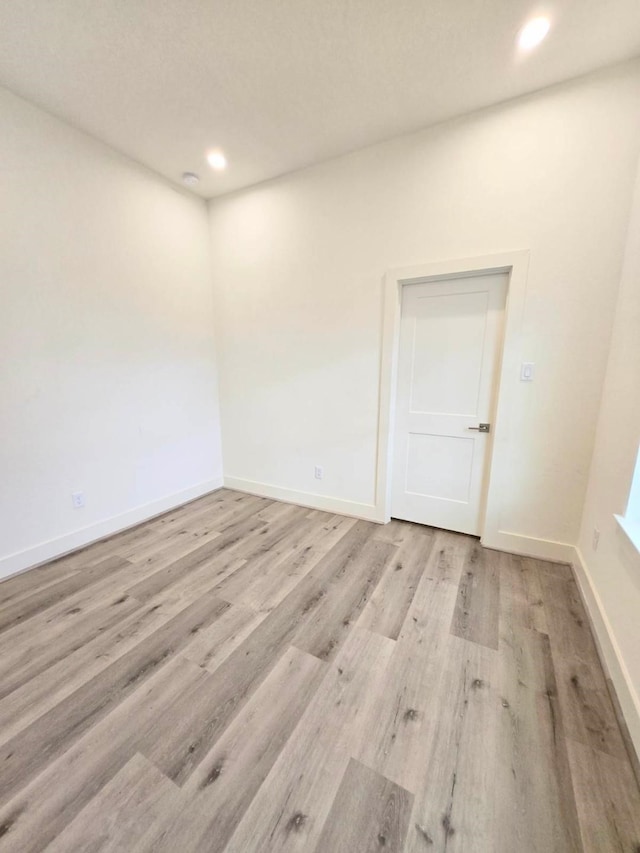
x=280, y=84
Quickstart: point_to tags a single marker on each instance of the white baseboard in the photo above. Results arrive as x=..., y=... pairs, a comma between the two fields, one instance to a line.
x=61, y=545
x=368, y=512
x=528, y=546
x=608, y=648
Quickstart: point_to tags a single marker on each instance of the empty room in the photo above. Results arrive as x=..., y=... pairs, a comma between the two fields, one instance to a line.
x=320, y=426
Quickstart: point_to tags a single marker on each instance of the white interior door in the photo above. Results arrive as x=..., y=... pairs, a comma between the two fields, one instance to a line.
x=448, y=362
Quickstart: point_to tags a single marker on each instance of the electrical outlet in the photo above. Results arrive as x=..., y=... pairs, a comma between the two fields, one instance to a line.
x=318, y=472
x=596, y=538
x=77, y=499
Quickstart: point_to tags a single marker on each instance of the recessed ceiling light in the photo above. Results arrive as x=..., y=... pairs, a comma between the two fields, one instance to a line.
x=217, y=160
x=190, y=179
x=533, y=33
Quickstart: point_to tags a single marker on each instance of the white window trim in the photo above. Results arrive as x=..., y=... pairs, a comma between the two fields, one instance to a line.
x=630, y=521
x=631, y=530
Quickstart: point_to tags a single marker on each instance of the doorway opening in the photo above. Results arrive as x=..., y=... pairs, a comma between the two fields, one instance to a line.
x=450, y=356
x=448, y=363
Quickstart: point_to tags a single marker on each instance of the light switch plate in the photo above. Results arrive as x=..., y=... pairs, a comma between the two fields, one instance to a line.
x=526, y=371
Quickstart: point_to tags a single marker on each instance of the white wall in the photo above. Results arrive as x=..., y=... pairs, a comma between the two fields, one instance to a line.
x=611, y=575
x=298, y=269
x=107, y=364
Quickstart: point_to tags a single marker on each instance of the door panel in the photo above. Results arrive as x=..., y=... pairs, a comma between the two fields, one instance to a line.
x=450, y=342
x=439, y=464
x=446, y=376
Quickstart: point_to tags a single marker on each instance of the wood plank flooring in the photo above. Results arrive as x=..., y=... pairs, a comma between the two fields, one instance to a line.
x=247, y=676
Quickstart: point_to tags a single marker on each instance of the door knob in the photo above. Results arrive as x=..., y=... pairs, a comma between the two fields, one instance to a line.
x=482, y=428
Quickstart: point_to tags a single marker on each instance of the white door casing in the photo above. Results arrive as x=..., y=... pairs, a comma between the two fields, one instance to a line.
x=450, y=344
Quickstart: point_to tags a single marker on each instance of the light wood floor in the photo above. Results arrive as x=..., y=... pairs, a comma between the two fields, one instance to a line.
x=245, y=675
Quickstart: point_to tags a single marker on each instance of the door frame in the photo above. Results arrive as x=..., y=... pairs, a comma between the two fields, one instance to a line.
x=516, y=265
